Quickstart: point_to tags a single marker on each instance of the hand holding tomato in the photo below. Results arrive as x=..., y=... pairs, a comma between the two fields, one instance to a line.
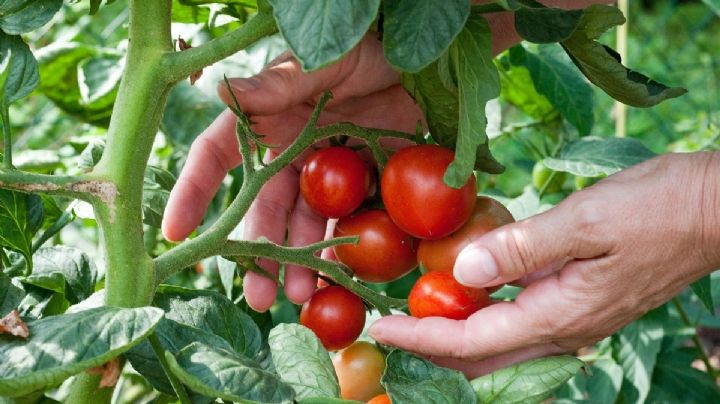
x=597, y=261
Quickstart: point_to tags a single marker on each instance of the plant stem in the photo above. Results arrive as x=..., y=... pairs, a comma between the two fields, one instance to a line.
x=135, y=120
x=85, y=390
x=182, y=64
x=80, y=187
x=696, y=340
x=174, y=382
x=7, y=136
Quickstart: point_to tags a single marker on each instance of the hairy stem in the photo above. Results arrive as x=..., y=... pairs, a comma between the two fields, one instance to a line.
x=696, y=340
x=182, y=64
x=80, y=187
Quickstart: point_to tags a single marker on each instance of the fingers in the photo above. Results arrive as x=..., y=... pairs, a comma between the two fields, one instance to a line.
x=305, y=228
x=283, y=84
x=519, y=249
x=268, y=217
x=211, y=156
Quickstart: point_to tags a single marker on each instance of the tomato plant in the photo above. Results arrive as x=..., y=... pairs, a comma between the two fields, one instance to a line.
x=335, y=315
x=416, y=196
x=384, y=253
x=440, y=255
x=103, y=103
x=439, y=294
x=334, y=181
x=359, y=368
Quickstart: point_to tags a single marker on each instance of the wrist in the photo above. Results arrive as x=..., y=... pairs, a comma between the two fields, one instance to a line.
x=709, y=196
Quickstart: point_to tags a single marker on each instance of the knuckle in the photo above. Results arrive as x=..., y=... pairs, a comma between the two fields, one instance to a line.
x=588, y=215
x=518, y=249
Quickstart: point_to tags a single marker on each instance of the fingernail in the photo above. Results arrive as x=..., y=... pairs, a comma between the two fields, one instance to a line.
x=475, y=267
x=246, y=84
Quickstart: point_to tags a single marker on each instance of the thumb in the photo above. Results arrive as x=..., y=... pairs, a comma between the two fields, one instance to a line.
x=519, y=249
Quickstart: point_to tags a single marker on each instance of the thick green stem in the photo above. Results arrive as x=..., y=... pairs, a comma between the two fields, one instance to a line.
x=85, y=390
x=135, y=120
x=183, y=64
x=80, y=187
x=7, y=136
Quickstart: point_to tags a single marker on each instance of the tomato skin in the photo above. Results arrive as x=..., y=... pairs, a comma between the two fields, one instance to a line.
x=416, y=197
x=359, y=368
x=380, y=399
x=384, y=253
x=335, y=315
x=440, y=255
x=334, y=181
x=438, y=294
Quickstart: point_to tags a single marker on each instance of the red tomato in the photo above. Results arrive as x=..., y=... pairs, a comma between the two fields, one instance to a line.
x=440, y=255
x=334, y=181
x=438, y=294
x=384, y=253
x=380, y=399
x=416, y=197
x=335, y=315
x=359, y=368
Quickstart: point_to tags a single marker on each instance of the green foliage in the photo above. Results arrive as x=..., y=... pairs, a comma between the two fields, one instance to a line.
x=415, y=33
x=19, y=74
x=64, y=270
x=22, y=16
x=335, y=28
x=10, y=295
x=302, y=362
x=410, y=379
x=20, y=218
x=529, y=382
x=217, y=372
x=592, y=157
x=61, y=346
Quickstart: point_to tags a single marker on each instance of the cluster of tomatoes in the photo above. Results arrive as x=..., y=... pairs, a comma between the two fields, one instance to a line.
x=424, y=221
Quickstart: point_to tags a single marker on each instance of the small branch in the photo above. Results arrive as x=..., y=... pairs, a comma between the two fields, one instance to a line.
x=696, y=341
x=174, y=382
x=182, y=64
x=305, y=256
x=79, y=187
x=7, y=136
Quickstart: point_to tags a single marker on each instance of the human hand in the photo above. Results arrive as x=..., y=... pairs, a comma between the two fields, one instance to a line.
x=599, y=260
x=279, y=101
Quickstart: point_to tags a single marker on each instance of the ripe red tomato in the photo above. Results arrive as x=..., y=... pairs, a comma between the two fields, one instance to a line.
x=384, y=253
x=416, y=197
x=334, y=181
x=438, y=294
x=380, y=399
x=335, y=315
x=359, y=368
x=440, y=255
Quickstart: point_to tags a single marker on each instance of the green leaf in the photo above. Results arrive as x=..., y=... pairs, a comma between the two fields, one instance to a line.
x=676, y=381
x=217, y=372
x=526, y=205
x=173, y=337
x=410, y=379
x=517, y=88
x=91, y=154
x=157, y=185
x=555, y=77
x=714, y=5
x=546, y=25
x=55, y=266
x=594, y=156
x=320, y=32
x=59, y=67
x=601, y=384
x=21, y=16
x=99, y=78
x=18, y=69
x=10, y=295
x=189, y=14
x=182, y=124
x=416, y=32
x=61, y=346
x=703, y=290
x=602, y=65
x=478, y=83
x=17, y=230
x=302, y=362
x=227, y=270
x=326, y=400
x=211, y=311
x=636, y=348
x=528, y=382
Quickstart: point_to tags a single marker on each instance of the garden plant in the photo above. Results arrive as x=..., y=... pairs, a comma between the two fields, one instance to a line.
x=100, y=102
